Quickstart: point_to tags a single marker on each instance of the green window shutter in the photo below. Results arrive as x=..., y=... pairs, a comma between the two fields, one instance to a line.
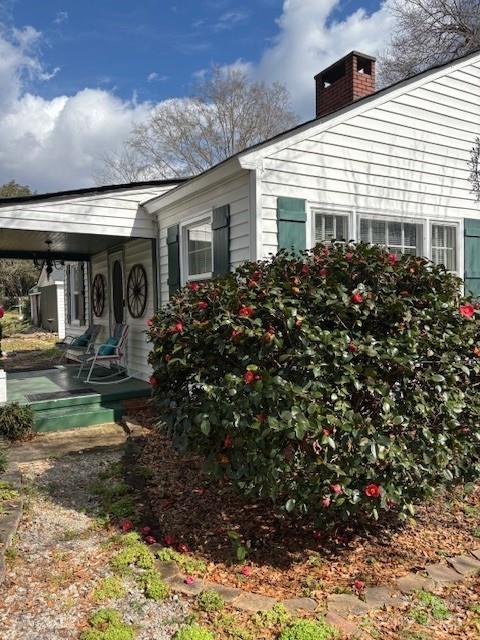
x=173, y=244
x=221, y=240
x=291, y=222
x=472, y=257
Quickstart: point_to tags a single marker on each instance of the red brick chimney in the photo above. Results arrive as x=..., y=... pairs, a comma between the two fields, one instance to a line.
x=345, y=81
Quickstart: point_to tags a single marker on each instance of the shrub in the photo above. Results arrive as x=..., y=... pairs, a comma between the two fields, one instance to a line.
x=153, y=586
x=210, y=601
x=110, y=588
x=137, y=555
x=16, y=421
x=193, y=632
x=338, y=383
x=309, y=630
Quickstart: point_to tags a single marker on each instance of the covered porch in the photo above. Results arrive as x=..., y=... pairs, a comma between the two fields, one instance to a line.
x=61, y=401
x=106, y=236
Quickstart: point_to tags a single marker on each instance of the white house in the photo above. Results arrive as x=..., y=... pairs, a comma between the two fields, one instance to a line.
x=47, y=301
x=389, y=167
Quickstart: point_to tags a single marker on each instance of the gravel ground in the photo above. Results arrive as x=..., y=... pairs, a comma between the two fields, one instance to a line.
x=60, y=554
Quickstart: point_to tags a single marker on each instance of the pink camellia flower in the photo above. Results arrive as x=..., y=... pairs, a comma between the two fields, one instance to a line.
x=392, y=259
x=188, y=580
x=305, y=269
x=324, y=272
x=202, y=305
x=246, y=571
x=326, y=433
x=149, y=322
x=183, y=548
x=336, y=488
x=256, y=275
x=228, y=442
x=467, y=310
x=352, y=347
x=150, y=540
x=236, y=334
x=326, y=251
x=245, y=311
x=317, y=535
x=178, y=327
x=146, y=531
x=349, y=256
x=126, y=525
x=193, y=286
x=2, y=312
x=359, y=585
x=249, y=377
x=372, y=490
x=298, y=322
x=153, y=381
x=169, y=540
x=357, y=298
x=326, y=502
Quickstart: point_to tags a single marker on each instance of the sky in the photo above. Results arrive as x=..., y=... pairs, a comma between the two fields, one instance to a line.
x=75, y=77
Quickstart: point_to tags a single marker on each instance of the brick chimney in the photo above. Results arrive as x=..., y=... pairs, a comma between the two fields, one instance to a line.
x=345, y=81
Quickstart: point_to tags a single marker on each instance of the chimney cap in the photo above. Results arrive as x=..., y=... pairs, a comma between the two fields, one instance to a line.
x=351, y=54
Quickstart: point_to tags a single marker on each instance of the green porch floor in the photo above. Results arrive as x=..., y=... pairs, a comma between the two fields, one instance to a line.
x=60, y=400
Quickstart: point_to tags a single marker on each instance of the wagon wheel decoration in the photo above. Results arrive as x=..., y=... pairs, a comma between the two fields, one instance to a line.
x=137, y=288
x=98, y=295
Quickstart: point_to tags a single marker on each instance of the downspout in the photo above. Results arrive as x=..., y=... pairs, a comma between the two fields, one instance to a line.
x=155, y=258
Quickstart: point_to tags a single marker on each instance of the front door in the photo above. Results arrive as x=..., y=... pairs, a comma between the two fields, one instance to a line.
x=117, y=287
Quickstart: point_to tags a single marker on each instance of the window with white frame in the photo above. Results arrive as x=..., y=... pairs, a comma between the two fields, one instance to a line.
x=399, y=237
x=330, y=226
x=197, y=249
x=444, y=245
x=75, y=297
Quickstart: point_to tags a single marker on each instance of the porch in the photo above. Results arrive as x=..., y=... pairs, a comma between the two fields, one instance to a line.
x=61, y=401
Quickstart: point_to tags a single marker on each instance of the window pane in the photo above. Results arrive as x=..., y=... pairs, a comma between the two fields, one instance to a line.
x=199, y=249
x=410, y=231
x=399, y=237
x=329, y=227
x=364, y=231
x=379, y=232
x=395, y=234
x=444, y=246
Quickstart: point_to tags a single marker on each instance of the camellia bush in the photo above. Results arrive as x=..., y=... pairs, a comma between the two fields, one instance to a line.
x=339, y=383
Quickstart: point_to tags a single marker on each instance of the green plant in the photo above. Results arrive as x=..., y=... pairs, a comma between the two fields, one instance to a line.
x=193, y=632
x=239, y=549
x=109, y=588
x=153, y=586
x=476, y=532
x=185, y=562
x=429, y=605
x=3, y=460
x=210, y=601
x=341, y=382
x=309, y=630
x=137, y=555
x=108, y=625
x=277, y=616
x=16, y=421
x=7, y=492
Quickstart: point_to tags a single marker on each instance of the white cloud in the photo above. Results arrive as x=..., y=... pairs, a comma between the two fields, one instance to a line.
x=61, y=16
x=230, y=19
x=309, y=40
x=155, y=77
x=57, y=143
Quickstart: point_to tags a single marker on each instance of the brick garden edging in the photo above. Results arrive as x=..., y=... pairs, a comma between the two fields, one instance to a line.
x=10, y=519
x=339, y=605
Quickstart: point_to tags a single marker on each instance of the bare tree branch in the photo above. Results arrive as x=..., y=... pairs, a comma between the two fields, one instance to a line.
x=429, y=32
x=184, y=137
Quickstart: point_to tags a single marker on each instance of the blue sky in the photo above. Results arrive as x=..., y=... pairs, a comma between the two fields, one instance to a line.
x=90, y=70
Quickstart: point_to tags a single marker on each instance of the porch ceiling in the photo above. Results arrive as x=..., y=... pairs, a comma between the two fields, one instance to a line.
x=16, y=243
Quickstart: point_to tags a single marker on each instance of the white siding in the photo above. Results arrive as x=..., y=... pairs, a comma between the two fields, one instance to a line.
x=234, y=192
x=114, y=213
x=61, y=311
x=134, y=252
x=407, y=156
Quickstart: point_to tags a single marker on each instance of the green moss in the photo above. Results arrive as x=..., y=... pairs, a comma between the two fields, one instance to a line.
x=7, y=492
x=114, y=470
x=153, y=586
x=127, y=539
x=185, y=562
x=109, y=589
x=277, y=616
x=134, y=555
x=435, y=605
x=108, y=625
x=210, y=601
x=193, y=632
x=122, y=508
x=309, y=630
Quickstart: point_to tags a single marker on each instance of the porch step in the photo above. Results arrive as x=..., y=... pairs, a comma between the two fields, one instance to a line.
x=91, y=398
x=74, y=417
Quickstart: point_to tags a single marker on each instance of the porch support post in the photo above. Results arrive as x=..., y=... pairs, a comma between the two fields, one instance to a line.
x=3, y=386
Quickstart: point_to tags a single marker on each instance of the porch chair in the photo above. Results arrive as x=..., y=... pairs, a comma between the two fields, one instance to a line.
x=75, y=346
x=110, y=354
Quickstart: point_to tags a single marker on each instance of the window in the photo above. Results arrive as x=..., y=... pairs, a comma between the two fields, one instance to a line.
x=329, y=226
x=75, y=297
x=198, y=250
x=399, y=237
x=444, y=246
